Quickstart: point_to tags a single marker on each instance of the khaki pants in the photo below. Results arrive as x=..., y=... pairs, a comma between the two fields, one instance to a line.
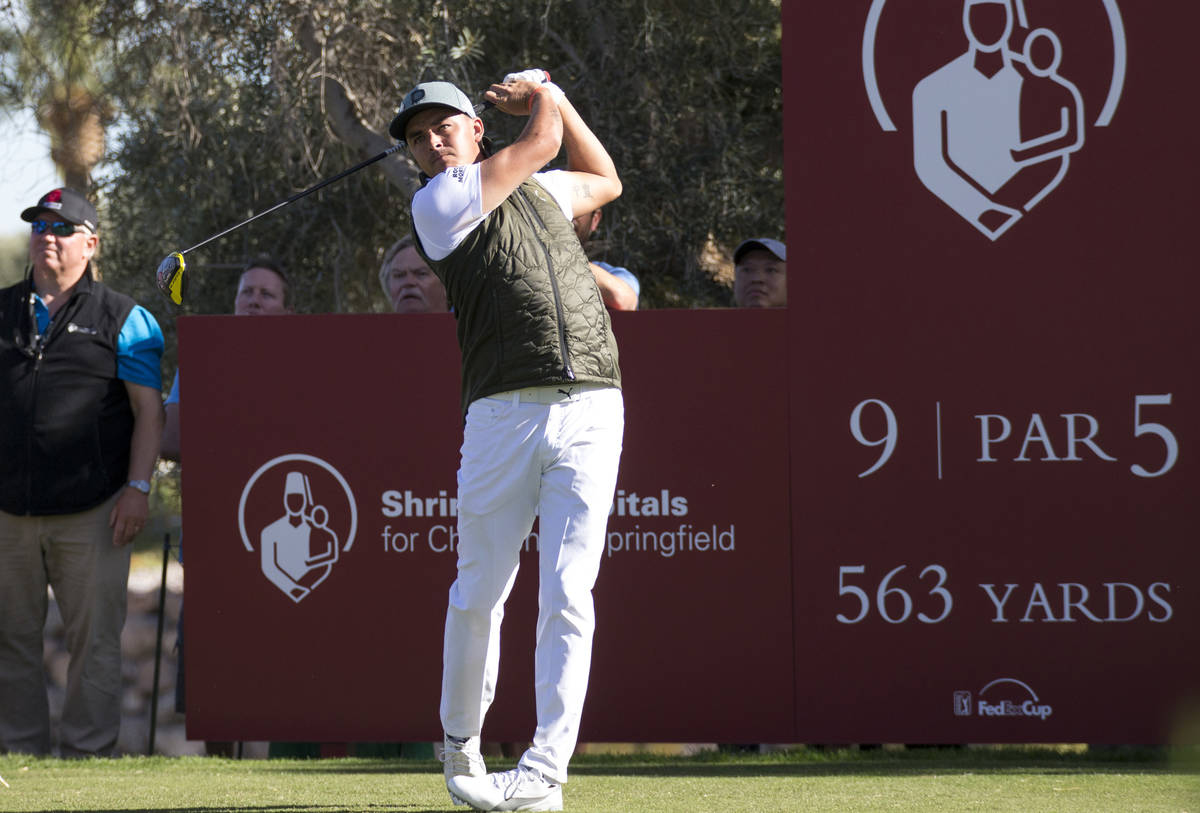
x=74, y=555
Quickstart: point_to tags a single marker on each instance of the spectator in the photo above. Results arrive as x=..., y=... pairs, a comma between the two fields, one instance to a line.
x=409, y=284
x=760, y=274
x=262, y=291
x=618, y=286
x=80, y=419
x=540, y=381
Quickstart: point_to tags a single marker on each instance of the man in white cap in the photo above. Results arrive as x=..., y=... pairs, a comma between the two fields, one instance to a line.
x=544, y=413
x=80, y=419
x=760, y=273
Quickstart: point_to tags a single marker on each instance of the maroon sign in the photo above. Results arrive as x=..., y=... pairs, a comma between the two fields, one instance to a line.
x=947, y=496
x=993, y=370
x=320, y=489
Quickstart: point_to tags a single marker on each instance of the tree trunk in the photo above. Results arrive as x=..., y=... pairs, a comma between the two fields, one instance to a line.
x=74, y=118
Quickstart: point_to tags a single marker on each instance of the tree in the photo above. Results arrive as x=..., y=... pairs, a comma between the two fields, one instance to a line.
x=14, y=250
x=231, y=108
x=51, y=62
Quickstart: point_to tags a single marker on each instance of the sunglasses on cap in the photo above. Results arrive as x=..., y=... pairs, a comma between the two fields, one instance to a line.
x=57, y=229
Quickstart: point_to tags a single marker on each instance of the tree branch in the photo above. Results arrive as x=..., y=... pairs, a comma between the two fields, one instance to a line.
x=342, y=114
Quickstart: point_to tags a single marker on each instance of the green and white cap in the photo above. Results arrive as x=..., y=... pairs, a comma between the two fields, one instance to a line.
x=425, y=96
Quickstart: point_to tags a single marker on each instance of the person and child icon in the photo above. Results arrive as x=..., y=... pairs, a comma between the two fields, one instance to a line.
x=298, y=550
x=993, y=130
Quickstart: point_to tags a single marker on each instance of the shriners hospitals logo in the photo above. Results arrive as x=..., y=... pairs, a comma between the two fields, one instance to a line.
x=1003, y=697
x=995, y=121
x=299, y=513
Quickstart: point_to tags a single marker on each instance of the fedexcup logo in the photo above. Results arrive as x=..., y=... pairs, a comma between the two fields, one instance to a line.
x=996, y=114
x=299, y=513
x=1003, y=697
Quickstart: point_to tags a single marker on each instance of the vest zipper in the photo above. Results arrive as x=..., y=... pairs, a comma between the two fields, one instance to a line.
x=561, y=328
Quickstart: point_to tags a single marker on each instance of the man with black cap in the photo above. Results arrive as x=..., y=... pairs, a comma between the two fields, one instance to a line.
x=80, y=419
x=760, y=273
x=544, y=414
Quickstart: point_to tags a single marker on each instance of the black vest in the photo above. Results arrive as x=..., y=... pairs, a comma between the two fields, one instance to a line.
x=528, y=309
x=65, y=418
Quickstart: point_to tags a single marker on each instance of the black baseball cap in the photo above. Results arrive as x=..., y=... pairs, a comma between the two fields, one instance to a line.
x=67, y=204
x=765, y=243
x=424, y=96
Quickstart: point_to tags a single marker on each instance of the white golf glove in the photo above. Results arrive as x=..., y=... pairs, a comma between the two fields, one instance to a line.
x=542, y=78
x=531, y=75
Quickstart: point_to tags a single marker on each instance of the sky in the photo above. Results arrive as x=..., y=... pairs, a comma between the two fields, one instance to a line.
x=26, y=171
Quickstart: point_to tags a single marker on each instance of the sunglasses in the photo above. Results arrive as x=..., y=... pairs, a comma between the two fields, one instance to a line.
x=57, y=229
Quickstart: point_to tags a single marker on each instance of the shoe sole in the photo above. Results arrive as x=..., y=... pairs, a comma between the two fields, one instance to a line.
x=540, y=806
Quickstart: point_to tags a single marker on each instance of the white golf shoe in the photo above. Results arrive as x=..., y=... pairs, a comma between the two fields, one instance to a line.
x=518, y=789
x=461, y=759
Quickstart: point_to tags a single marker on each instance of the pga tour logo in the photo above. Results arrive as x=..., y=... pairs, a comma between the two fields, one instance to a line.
x=1001, y=94
x=1003, y=697
x=299, y=513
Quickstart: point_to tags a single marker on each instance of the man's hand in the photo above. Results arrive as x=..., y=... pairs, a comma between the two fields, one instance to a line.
x=128, y=516
x=508, y=87
x=514, y=98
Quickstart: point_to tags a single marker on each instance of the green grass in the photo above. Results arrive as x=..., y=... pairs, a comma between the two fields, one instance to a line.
x=975, y=779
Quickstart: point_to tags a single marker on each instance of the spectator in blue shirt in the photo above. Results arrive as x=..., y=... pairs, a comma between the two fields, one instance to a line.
x=618, y=286
x=80, y=419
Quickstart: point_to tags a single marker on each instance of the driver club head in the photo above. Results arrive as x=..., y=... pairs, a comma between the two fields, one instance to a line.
x=170, y=278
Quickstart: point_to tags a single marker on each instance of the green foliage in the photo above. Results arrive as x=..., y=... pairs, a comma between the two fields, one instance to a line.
x=14, y=252
x=229, y=108
x=226, y=114
x=52, y=63
x=52, y=45
x=221, y=138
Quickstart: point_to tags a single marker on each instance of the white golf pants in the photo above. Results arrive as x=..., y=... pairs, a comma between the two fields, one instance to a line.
x=533, y=452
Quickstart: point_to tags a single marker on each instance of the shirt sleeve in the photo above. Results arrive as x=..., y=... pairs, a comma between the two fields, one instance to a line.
x=623, y=274
x=139, y=349
x=558, y=184
x=173, y=396
x=447, y=209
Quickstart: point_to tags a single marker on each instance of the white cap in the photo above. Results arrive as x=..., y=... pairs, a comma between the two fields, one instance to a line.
x=766, y=243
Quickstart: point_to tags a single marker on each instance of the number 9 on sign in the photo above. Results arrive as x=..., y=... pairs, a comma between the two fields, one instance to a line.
x=888, y=441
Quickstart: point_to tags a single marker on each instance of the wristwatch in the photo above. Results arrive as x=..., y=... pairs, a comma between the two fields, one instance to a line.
x=140, y=485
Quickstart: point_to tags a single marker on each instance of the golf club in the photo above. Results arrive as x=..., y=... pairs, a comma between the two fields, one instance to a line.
x=170, y=274
x=170, y=277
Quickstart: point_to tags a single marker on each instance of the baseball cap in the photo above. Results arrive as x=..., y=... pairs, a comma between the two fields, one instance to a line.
x=67, y=204
x=425, y=96
x=766, y=243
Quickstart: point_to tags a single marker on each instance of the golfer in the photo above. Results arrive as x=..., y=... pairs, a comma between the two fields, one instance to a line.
x=544, y=414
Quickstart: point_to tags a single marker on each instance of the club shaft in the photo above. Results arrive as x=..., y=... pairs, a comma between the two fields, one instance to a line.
x=299, y=195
